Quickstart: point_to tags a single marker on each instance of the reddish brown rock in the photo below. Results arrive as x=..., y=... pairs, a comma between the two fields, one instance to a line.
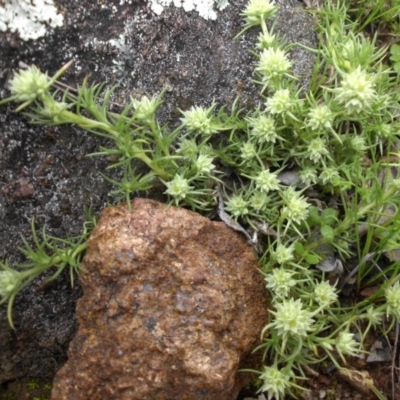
x=173, y=306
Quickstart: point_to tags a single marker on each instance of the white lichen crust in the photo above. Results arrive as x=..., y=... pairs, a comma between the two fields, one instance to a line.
x=205, y=8
x=30, y=18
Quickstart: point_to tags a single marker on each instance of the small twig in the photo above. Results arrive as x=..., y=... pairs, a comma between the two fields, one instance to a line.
x=394, y=354
x=311, y=371
x=63, y=86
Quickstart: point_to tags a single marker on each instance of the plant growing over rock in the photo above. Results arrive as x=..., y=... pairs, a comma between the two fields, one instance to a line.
x=314, y=185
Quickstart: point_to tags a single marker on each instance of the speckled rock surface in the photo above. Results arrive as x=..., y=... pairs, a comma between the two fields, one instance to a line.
x=173, y=305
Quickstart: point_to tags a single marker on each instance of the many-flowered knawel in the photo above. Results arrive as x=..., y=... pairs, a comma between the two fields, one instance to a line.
x=308, y=174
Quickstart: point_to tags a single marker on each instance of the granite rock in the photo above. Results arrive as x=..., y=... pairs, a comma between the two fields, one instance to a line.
x=173, y=306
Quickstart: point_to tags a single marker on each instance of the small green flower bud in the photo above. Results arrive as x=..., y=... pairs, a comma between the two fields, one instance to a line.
x=281, y=102
x=325, y=294
x=276, y=382
x=9, y=281
x=329, y=175
x=53, y=109
x=178, y=187
x=145, y=108
x=204, y=164
x=282, y=254
x=358, y=144
x=308, y=176
x=296, y=209
x=198, y=119
x=280, y=282
x=258, y=200
x=265, y=40
x=259, y=10
x=320, y=118
x=248, y=151
x=263, y=129
x=189, y=148
x=346, y=345
x=374, y=316
x=393, y=301
x=326, y=345
x=386, y=131
x=316, y=150
x=237, y=206
x=356, y=91
x=273, y=63
x=267, y=181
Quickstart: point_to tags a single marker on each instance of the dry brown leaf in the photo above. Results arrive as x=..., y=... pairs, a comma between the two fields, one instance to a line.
x=360, y=380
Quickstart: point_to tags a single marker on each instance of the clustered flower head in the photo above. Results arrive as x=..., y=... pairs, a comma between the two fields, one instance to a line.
x=267, y=181
x=320, y=118
x=265, y=40
x=178, y=188
x=356, y=91
x=9, y=281
x=324, y=293
x=395, y=183
x=296, y=208
x=316, y=149
x=346, y=345
x=385, y=131
x=281, y=102
x=358, y=144
x=249, y=151
x=263, y=129
x=237, y=205
x=291, y=318
x=204, y=164
x=282, y=253
x=258, y=200
x=280, y=282
x=275, y=381
x=188, y=148
x=346, y=53
x=273, y=63
x=329, y=175
x=392, y=295
x=258, y=11
x=374, y=316
x=30, y=84
x=53, y=110
x=198, y=119
x=308, y=176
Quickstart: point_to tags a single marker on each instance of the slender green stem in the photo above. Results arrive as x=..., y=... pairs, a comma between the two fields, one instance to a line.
x=140, y=154
x=87, y=123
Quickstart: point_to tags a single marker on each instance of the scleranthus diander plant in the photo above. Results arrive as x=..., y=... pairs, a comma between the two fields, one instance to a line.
x=337, y=142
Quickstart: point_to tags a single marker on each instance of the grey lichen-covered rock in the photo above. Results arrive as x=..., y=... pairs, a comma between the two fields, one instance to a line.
x=173, y=306
x=44, y=173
